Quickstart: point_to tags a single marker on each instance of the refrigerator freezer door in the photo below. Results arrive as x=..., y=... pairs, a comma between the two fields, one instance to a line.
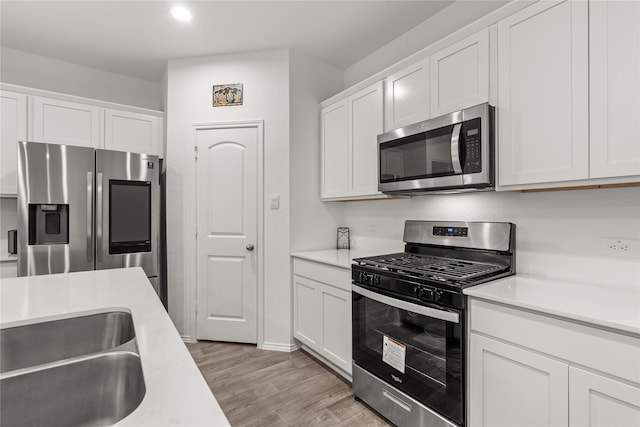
x=127, y=210
x=55, y=208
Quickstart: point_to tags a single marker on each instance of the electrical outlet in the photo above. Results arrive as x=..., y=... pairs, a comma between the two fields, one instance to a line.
x=621, y=247
x=371, y=228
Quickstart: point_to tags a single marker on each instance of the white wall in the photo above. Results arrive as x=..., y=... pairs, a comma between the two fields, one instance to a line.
x=41, y=72
x=558, y=234
x=313, y=223
x=265, y=76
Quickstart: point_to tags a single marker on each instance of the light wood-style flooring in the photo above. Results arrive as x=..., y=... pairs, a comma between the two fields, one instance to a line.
x=268, y=388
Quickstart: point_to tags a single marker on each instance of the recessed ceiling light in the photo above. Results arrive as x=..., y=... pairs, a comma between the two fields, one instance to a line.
x=181, y=13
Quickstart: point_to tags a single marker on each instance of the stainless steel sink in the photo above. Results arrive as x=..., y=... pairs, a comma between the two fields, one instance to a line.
x=45, y=342
x=96, y=390
x=82, y=371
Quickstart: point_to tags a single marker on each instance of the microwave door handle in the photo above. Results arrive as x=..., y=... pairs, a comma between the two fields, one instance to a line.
x=455, y=148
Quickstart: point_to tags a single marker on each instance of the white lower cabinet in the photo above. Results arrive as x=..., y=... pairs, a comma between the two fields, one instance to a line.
x=515, y=387
x=598, y=401
x=322, y=311
x=528, y=369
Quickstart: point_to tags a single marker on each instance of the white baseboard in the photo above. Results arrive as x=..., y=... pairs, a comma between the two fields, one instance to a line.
x=287, y=348
x=188, y=339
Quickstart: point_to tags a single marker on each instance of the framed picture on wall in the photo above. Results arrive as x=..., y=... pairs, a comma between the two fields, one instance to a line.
x=226, y=95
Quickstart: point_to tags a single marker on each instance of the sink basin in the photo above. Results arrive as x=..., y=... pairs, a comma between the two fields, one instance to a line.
x=39, y=343
x=95, y=390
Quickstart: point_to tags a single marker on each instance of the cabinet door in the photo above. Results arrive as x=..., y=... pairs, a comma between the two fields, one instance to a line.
x=460, y=75
x=543, y=88
x=134, y=132
x=407, y=96
x=336, y=326
x=614, y=43
x=597, y=401
x=514, y=387
x=365, y=124
x=335, y=149
x=306, y=312
x=13, y=128
x=63, y=122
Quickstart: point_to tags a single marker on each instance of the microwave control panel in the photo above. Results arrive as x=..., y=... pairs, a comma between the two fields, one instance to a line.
x=473, y=153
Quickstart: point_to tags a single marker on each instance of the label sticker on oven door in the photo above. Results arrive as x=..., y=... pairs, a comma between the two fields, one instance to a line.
x=393, y=353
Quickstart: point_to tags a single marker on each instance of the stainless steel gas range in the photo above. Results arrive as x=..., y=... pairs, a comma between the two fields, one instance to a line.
x=409, y=320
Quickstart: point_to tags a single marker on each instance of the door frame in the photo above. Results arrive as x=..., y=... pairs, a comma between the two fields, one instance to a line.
x=259, y=126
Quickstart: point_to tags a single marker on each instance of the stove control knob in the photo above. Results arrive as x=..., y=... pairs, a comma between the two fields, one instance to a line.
x=426, y=294
x=361, y=277
x=376, y=280
x=436, y=295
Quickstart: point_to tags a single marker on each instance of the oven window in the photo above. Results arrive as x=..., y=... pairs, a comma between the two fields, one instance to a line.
x=419, y=355
x=424, y=155
x=129, y=216
x=423, y=338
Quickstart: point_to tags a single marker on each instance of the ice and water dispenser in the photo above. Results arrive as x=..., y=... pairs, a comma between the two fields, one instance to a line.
x=48, y=224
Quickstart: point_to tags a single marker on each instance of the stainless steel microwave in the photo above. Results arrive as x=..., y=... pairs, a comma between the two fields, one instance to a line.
x=453, y=152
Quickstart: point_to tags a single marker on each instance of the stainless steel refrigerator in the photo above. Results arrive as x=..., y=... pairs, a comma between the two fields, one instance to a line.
x=84, y=209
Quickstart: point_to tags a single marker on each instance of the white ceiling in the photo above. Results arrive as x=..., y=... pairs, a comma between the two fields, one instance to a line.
x=136, y=38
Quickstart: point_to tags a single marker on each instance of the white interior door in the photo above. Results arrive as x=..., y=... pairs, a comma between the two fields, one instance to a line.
x=227, y=218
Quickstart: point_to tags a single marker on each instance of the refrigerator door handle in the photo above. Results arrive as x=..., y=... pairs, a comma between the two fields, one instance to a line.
x=89, y=216
x=99, y=218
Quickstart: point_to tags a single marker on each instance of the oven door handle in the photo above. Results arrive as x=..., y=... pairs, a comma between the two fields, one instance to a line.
x=445, y=315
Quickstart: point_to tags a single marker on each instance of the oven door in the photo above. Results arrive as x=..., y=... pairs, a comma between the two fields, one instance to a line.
x=415, y=348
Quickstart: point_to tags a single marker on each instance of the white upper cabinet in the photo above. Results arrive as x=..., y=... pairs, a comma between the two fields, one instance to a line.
x=460, y=75
x=135, y=132
x=335, y=149
x=13, y=128
x=543, y=94
x=350, y=128
x=614, y=42
x=366, y=119
x=57, y=121
x=407, y=96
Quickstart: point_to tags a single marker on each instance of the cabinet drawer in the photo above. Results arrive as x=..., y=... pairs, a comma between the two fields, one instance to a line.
x=328, y=274
x=581, y=344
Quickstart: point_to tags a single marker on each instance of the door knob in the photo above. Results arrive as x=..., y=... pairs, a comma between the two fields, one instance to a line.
x=250, y=247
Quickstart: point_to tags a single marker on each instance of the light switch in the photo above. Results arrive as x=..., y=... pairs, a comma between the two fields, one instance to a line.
x=275, y=201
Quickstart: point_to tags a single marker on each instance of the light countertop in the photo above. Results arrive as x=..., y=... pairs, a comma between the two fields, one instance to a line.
x=336, y=257
x=176, y=392
x=605, y=306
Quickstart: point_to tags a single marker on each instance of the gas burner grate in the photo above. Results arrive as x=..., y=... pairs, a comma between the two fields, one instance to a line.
x=431, y=266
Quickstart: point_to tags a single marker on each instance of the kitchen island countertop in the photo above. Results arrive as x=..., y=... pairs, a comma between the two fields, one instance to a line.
x=606, y=306
x=176, y=392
